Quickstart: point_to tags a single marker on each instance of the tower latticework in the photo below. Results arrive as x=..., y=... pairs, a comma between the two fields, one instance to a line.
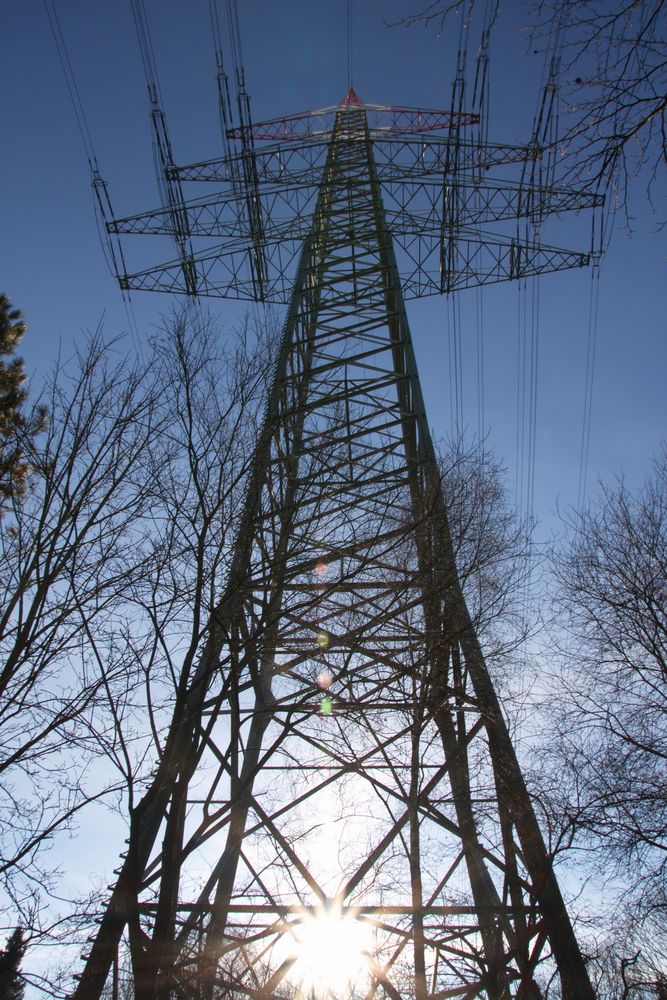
x=341, y=753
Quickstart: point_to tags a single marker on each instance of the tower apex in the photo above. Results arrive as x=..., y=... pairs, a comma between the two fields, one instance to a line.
x=352, y=97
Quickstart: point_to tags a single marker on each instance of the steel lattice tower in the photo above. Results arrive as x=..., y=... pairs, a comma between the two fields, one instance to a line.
x=342, y=749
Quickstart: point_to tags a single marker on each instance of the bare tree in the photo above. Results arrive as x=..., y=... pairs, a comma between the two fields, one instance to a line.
x=68, y=548
x=628, y=962
x=614, y=72
x=112, y=563
x=612, y=57
x=203, y=461
x=611, y=711
x=211, y=392
x=493, y=550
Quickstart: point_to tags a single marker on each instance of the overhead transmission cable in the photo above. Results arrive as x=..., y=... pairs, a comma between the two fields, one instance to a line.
x=103, y=211
x=70, y=80
x=537, y=176
x=480, y=107
x=146, y=49
x=532, y=403
x=235, y=41
x=455, y=364
x=222, y=81
x=165, y=169
x=242, y=171
x=350, y=61
x=600, y=235
x=162, y=152
x=249, y=181
x=588, y=388
x=520, y=398
x=545, y=136
x=479, y=316
x=451, y=221
x=234, y=32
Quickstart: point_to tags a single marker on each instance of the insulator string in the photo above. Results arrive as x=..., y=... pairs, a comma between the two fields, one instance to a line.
x=235, y=41
x=146, y=50
x=222, y=82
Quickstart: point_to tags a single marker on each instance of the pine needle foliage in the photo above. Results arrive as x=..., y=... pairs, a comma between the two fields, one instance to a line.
x=15, y=426
x=12, y=986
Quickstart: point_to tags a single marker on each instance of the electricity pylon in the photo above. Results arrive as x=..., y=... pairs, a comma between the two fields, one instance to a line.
x=340, y=753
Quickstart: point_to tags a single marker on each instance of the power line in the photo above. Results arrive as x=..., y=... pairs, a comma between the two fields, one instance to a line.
x=455, y=364
x=520, y=395
x=349, y=44
x=235, y=41
x=146, y=49
x=102, y=203
x=588, y=388
x=70, y=80
x=534, y=385
x=222, y=79
x=481, y=429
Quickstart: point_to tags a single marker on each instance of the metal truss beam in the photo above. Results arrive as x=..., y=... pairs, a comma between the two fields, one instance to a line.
x=355, y=755
x=453, y=222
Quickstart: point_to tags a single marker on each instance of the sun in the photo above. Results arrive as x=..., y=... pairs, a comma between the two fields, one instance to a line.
x=330, y=951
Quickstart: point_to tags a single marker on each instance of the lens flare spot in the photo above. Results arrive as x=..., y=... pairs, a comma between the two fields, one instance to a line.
x=321, y=570
x=323, y=640
x=331, y=954
x=326, y=705
x=324, y=679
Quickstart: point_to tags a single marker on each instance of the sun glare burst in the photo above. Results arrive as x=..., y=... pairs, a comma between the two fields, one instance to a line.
x=331, y=954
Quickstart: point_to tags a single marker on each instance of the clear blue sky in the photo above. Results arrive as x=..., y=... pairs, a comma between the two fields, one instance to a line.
x=52, y=267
